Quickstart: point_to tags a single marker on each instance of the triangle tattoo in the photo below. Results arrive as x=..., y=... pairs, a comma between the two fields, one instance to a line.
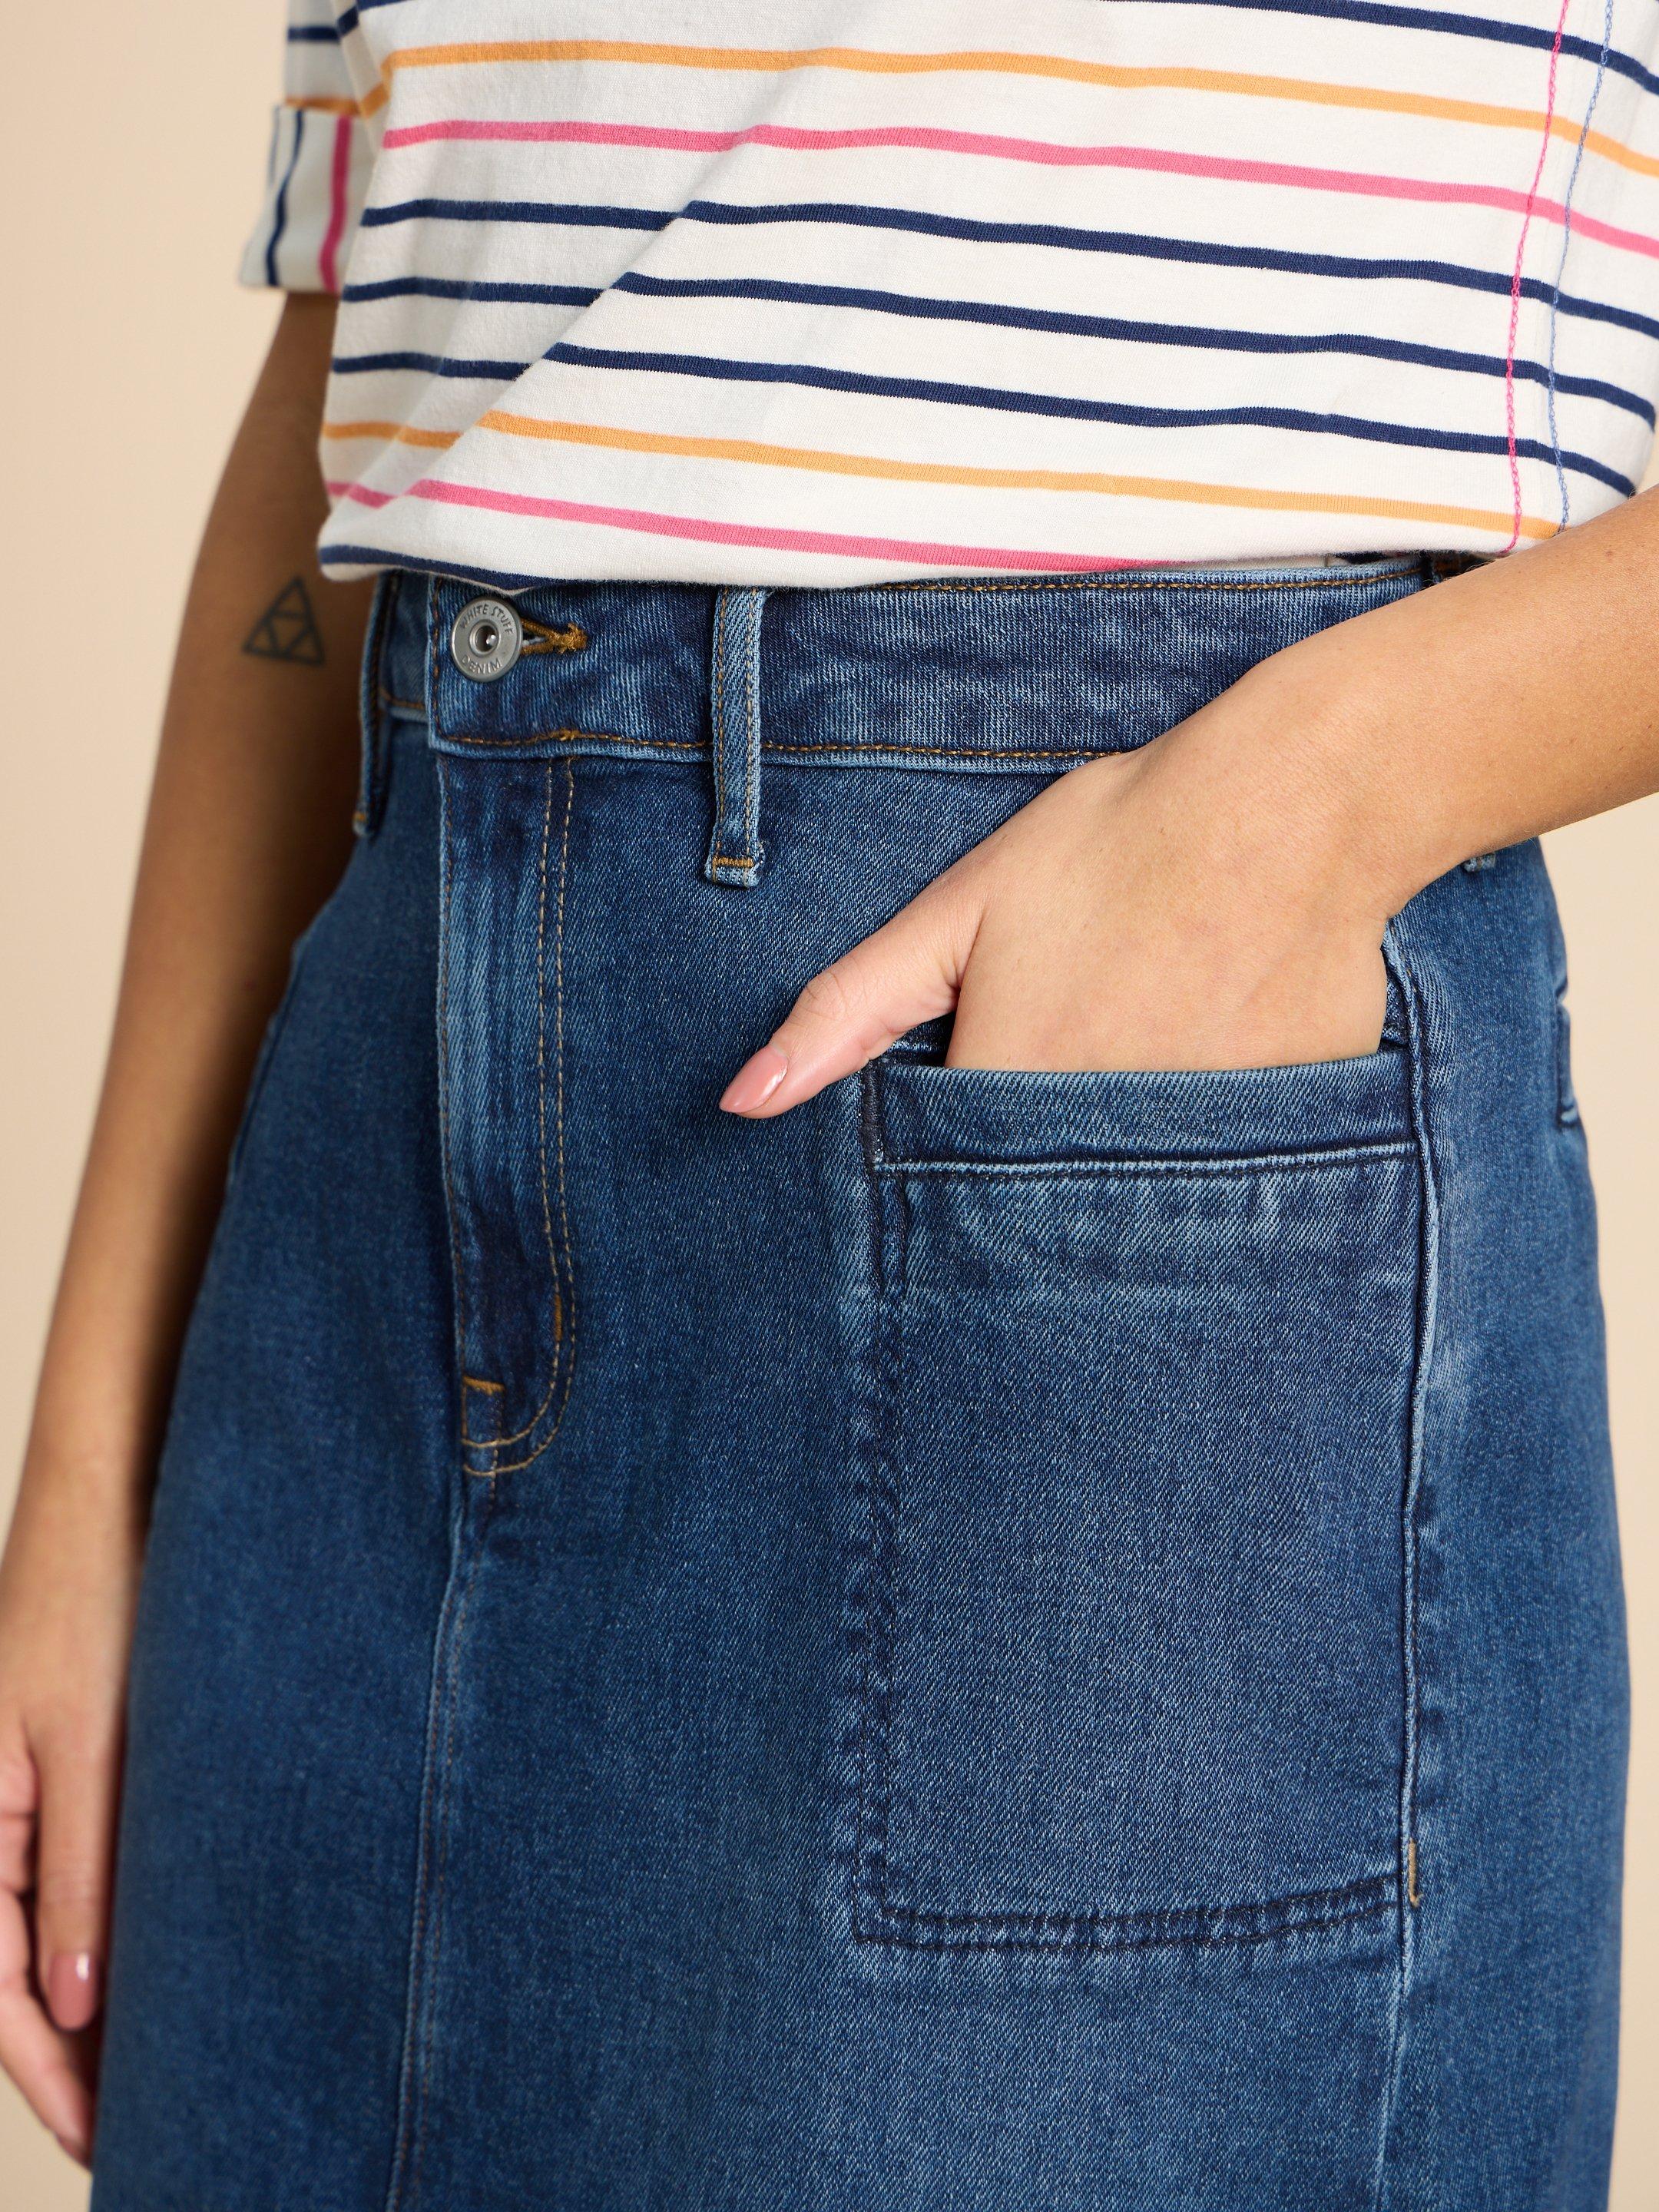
x=287, y=629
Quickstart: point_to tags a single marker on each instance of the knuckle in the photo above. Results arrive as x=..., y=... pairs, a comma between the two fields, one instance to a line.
x=71, y=1737
x=829, y=998
x=66, y=1891
x=957, y=900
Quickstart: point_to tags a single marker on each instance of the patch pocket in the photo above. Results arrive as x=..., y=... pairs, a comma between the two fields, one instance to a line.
x=1143, y=1368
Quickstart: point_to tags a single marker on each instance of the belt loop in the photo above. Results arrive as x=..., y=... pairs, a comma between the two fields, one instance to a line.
x=735, y=851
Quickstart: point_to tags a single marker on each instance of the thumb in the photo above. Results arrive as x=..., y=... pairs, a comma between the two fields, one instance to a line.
x=907, y=972
x=78, y=1773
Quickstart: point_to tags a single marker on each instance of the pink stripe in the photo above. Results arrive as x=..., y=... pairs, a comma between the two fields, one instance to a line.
x=1156, y=159
x=1515, y=287
x=339, y=175
x=573, y=134
x=365, y=495
x=735, y=533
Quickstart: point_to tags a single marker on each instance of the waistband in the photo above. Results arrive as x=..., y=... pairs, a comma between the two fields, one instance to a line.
x=988, y=675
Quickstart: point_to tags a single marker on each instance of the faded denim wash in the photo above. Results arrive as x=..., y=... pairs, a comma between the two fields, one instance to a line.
x=1003, y=1643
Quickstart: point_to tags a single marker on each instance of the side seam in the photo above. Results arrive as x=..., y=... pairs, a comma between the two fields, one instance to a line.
x=421, y=2022
x=1428, y=1284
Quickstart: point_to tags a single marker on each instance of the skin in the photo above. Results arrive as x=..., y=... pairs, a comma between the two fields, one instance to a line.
x=1218, y=899
x=249, y=826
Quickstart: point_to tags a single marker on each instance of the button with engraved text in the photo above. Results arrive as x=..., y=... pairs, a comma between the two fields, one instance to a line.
x=487, y=639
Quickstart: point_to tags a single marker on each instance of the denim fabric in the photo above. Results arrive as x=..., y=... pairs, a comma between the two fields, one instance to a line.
x=1003, y=1643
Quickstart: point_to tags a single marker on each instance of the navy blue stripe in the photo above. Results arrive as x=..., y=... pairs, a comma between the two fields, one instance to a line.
x=1079, y=411
x=899, y=303
x=430, y=364
x=376, y=557
x=972, y=311
x=553, y=211
x=346, y=20
x=1457, y=26
x=1142, y=244
x=313, y=34
x=450, y=288
x=1117, y=327
x=1146, y=245
x=279, y=217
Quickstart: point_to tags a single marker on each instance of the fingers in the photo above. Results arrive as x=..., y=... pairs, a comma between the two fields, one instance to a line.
x=78, y=1779
x=48, y=2065
x=907, y=972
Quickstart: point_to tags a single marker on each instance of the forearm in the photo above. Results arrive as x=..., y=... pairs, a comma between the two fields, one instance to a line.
x=248, y=826
x=1501, y=703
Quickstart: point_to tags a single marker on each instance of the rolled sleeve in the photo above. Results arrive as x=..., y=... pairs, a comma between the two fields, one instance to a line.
x=321, y=154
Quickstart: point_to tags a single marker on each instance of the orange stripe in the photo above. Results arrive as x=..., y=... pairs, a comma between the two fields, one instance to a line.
x=1063, y=480
x=321, y=107
x=399, y=434
x=772, y=60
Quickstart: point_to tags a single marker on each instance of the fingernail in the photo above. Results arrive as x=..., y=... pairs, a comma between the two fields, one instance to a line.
x=755, y=1081
x=72, y=1989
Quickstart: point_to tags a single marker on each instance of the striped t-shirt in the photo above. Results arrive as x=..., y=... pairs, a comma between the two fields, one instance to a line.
x=835, y=291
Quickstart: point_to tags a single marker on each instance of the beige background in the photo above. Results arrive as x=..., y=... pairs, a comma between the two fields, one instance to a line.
x=129, y=168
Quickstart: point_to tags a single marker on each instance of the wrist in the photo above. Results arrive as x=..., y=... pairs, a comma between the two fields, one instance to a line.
x=1302, y=755
x=1263, y=789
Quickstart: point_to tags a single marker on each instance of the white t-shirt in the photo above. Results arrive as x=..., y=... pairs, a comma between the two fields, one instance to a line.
x=830, y=292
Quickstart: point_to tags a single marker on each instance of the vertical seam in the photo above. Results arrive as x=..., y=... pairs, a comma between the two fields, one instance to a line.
x=871, y=1884
x=1561, y=260
x=433, y=655
x=558, y=1109
x=870, y=1463
x=445, y=1145
x=1515, y=282
x=372, y=702
x=494, y=1444
x=895, y=1473
x=720, y=837
x=513, y=1466
x=383, y=718
x=556, y=1318
x=418, y=2030
x=752, y=735
x=442, y=1844
x=1423, y=1353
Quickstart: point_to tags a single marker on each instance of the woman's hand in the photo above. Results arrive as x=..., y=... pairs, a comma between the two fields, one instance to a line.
x=1202, y=902
x=67, y=1589
x=1218, y=899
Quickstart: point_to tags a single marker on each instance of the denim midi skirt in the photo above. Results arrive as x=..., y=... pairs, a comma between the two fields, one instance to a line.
x=1002, y=1643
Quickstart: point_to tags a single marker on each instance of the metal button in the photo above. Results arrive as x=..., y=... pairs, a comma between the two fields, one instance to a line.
x=487, y=639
